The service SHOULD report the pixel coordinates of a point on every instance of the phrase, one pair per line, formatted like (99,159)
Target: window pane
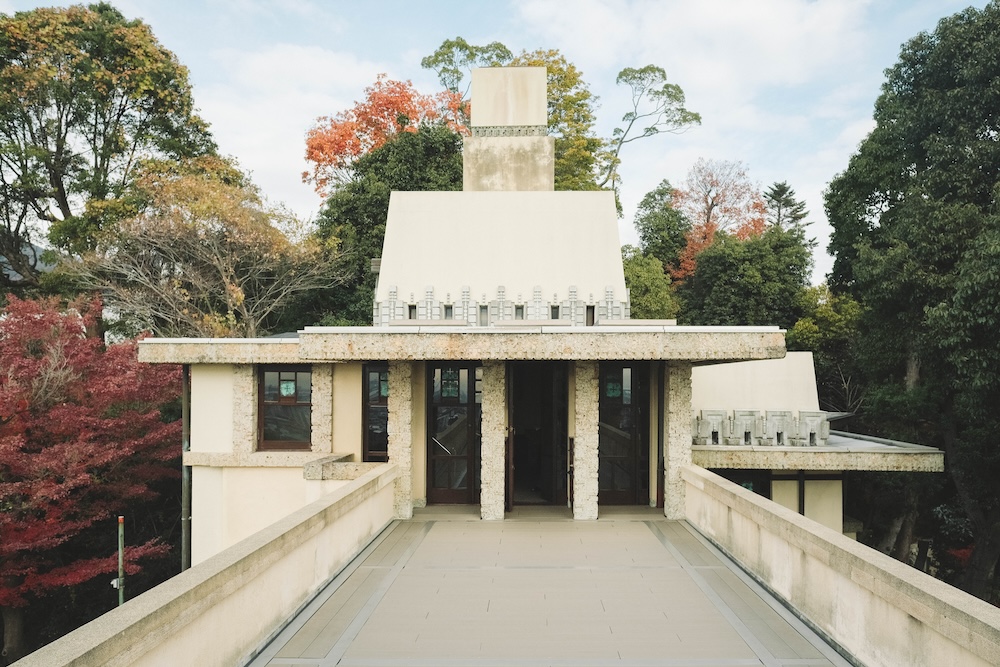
(373,386)
(463,386)
(288,423)
(451,431)
(303,382)
(627,386)
(384,384)
(378,434)
(437,385)
(270,386)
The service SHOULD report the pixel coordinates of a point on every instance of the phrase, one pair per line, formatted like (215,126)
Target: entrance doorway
(538,436)
(454,432)
(623,445)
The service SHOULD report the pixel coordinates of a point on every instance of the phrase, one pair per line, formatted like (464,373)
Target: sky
(787,87)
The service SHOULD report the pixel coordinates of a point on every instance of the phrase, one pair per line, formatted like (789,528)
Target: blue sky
(785,86)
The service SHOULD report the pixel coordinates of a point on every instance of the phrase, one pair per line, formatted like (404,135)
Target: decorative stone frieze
(510,131)
(585,445)
(399,429)
(677,450)
(494,430)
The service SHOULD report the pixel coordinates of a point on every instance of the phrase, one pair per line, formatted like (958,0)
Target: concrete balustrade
(232,603)
(878,611)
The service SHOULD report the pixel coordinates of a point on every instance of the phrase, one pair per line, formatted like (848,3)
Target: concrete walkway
(447,589)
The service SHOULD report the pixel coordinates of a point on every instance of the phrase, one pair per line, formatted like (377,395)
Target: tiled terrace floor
(446,589)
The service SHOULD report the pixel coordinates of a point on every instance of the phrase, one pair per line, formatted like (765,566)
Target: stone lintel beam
(557,344)
(399,343)
(816,458)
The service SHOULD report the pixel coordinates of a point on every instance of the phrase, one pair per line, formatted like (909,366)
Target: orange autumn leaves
(389,108)
(717,196)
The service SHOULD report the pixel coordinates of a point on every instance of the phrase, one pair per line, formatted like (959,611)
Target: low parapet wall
(878,611)
(222,610)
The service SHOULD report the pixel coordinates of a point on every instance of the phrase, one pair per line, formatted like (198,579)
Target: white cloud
(267,101)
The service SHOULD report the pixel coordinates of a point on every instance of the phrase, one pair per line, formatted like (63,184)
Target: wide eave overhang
(419,343)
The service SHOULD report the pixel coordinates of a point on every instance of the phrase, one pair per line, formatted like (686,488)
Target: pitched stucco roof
(517,240)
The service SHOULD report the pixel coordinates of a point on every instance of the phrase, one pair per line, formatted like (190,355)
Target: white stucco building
(503,369)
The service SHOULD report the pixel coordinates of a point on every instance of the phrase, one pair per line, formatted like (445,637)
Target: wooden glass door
(454,432)
(623,445)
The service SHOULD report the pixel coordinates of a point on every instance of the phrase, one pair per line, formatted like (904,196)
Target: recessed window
(484,316)
(554,312)
(285,414)
(411,312)
(518,312)
(376,412)
(590,316)
(449,312)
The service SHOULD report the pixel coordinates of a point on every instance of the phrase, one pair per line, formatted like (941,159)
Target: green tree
(757,281)
(916,236)
(456,57)
(85,97)
(783,209)
(648,286)
(829,329)
(353,217)
(662,228)
(206,257)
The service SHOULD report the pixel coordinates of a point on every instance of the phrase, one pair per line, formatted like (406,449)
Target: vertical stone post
(322,408)
(677,453)
(400,435)
(494,430)
(585,452)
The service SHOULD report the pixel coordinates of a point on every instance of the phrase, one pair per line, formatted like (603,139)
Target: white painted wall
(772,384)
(212,408)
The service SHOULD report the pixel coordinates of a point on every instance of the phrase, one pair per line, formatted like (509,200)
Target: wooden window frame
(282,445)
(366,454)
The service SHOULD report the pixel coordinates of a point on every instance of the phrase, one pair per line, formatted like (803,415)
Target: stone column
(677,451)
(585,455)
(494,450)
(322,408)
(400,435)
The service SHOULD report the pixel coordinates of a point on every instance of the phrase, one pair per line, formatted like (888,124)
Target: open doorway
(537,444)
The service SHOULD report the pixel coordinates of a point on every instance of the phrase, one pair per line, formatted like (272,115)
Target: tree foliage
(916,238)
(717,195)
(662,228)
(657,106)
(783,208)
(649,287)
(389,109)
(205,257)
(354,216)
(85,97)
(81,440)
(752,281)
(456,57)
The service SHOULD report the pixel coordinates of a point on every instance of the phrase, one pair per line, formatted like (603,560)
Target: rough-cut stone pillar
(322,408)
(494,431)
(585,456)
(400,435)
(677,452)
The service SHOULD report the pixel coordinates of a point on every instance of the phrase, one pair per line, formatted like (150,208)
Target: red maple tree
(717,196)
(389,107)
(81,438)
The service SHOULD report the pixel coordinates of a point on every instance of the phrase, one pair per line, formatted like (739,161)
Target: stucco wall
(212,408)
(348,421)
(880,611)
(771,384)
(824,500)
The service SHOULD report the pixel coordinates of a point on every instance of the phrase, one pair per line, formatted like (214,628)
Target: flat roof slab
(628,589)
(509,343)
(843,451)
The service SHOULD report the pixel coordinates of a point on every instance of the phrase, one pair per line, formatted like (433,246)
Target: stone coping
(966,621)
(272,459)
(557,343)
(843,451)
(337,467)
(126,634)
